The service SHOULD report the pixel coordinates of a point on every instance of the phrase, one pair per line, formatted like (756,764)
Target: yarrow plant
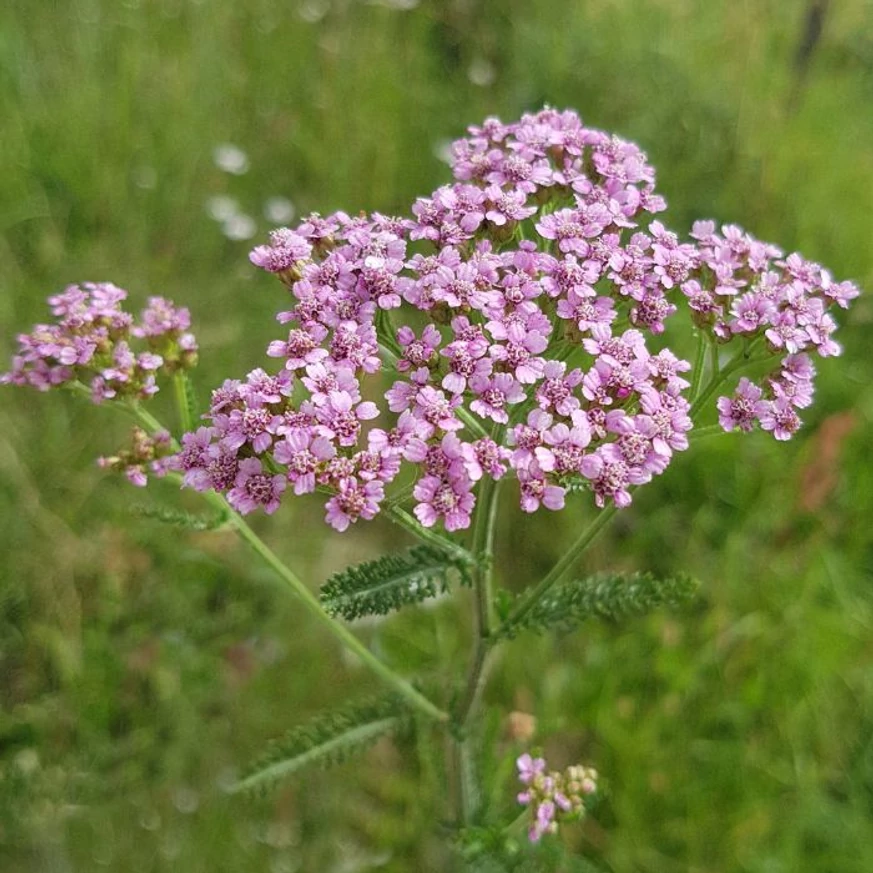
(511,327)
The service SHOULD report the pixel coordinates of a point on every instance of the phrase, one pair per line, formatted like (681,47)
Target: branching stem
(180,389)
(483,548)
(527,602)
(339,631)
(699,363)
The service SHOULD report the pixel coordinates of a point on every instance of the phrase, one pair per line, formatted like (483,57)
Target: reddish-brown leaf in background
(819,477)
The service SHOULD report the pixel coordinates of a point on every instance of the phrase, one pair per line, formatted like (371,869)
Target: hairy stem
(339,631)
(466,781)
(408,522)
(149,422)
(528,601)
(180,390)
(741,359)
(483,549)
(699,363)
(708,430)
(713,359)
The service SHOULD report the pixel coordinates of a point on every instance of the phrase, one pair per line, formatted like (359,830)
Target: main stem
(463,764)
(483,543)
(483,548)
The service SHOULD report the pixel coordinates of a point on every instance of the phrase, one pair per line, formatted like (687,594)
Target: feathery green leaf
(178,518)
(392,581)
(327,740)
(610,596)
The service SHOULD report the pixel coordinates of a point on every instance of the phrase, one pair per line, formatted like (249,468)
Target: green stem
(713,359)
(339,631)
(409,523)
(699,361)
(528,601)
(148,421)
(180,390)
(487,555)
(708,430)
(742,359)
(309,600)
(483,549)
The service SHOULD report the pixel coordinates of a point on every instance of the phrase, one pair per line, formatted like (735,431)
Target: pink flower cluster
(510,353)
(553,796)
(743,288)
(93,341)
(525,292)
(507,326)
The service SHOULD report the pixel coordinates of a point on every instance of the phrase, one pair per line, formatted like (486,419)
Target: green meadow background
(142,667)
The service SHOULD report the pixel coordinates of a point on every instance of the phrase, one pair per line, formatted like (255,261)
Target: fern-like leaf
(325,741)
(392,581)
(610,596)
(178,518)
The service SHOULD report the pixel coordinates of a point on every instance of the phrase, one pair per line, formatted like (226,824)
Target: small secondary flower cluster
(510,354)
(146,454)
(553,797)
(744,288)
(93,342)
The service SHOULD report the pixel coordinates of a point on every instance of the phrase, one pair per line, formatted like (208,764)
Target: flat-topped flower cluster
(507,326)
(506,353)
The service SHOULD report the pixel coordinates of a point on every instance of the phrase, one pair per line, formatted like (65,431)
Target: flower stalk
(484,531)
(346,638)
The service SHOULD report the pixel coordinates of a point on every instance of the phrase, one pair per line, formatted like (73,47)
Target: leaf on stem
(610,596)
(178,518)
(327,740)
(391,582)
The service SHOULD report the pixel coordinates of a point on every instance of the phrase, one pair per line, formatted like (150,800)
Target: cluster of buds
(553,797)
(94,342)
(147,454)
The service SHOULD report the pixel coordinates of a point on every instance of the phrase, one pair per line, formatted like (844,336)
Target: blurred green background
(141,668)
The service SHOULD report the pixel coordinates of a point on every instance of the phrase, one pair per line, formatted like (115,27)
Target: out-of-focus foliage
(143,666)
(326,741)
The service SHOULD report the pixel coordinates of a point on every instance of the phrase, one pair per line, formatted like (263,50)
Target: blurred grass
(140,668)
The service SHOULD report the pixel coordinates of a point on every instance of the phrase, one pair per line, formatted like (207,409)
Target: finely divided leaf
(177,518)
(388,583)
(327,740)
(611,596)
